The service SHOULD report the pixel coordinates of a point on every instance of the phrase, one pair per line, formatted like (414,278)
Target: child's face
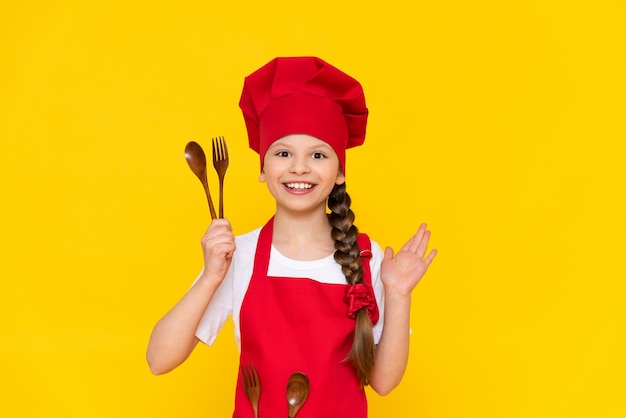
(301,171)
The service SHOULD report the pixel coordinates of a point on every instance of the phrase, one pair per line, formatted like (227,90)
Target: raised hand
(218,247)
(401,272)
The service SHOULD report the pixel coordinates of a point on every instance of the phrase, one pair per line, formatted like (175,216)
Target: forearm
(392,351)
(173,337)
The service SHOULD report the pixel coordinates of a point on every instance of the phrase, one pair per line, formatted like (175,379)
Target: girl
(307,292)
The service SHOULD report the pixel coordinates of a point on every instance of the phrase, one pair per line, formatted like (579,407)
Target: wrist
(397,296)
(209,281)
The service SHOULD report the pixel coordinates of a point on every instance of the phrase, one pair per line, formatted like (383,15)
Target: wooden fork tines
(252,386)
(220,162)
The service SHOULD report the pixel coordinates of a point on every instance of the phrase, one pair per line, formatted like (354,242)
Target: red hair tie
(359,296)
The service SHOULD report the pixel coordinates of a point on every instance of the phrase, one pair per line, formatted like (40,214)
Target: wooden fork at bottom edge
(252,386)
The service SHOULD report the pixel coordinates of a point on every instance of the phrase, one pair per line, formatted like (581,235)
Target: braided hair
(347,254)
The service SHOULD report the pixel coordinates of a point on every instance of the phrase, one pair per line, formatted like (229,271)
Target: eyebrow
(321,146)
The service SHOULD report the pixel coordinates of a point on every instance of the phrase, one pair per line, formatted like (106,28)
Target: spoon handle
(208,198)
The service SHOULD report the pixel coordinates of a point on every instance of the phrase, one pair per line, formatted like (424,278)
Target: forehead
(300,141)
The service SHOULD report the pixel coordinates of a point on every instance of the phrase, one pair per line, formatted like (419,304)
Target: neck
(303,236)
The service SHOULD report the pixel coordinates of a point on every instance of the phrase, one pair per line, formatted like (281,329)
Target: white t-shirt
(229,296)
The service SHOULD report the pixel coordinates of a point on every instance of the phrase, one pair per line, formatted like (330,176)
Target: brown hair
(347,253)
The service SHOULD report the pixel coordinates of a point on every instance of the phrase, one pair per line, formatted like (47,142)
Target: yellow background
(500,123)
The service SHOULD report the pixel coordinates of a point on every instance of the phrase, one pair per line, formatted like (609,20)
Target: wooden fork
(251,385)
(220,162)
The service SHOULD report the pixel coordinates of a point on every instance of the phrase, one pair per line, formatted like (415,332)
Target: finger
(222,222)
(407,245)
(423,245)
(219,240)
(219,252)
(219,223)
(218,227)
(414,242)
(429,259)
(214,239)
(388,253)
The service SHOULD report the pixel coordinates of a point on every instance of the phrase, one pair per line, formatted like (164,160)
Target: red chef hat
(304,95)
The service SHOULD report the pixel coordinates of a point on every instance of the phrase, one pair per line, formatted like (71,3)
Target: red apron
(293,324)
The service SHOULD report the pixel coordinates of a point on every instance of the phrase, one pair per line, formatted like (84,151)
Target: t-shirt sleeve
(229,295)
(218,311)
(379,290)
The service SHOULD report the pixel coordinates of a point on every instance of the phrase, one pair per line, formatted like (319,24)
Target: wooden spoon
(297,392)
(194,154)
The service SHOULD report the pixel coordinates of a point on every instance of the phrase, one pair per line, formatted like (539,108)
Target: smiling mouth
(299,186)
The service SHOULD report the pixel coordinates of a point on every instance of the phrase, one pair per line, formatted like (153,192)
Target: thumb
(388,253)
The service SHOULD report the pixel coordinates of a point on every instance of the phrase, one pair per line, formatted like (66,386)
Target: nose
(300,165)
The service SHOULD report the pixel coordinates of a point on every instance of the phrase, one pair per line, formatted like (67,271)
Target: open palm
(401,272)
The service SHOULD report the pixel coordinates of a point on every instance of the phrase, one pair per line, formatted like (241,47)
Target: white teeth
(299,186)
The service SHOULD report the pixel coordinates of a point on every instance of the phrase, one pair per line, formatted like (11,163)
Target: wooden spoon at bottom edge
(297,392)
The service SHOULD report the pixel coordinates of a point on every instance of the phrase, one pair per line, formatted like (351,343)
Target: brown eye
(318,156)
